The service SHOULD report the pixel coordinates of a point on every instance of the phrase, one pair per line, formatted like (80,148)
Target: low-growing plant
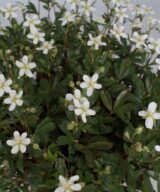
(80,97)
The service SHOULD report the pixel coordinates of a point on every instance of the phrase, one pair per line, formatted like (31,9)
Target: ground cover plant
(80,97)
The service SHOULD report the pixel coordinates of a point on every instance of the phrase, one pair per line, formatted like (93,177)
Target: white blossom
(145,10)
(121,14)
(36,36)
(19,142)
(154,44)
(68,185)
(87,8)
(25,67)
(9,11)
(46,46)
(139,39)
(70,98)
(4,85)
(150,115)
(67,18)
(90,83)
(82,108)
(14,99)
(96,41)
(118,32)
(74,4)
(31,20)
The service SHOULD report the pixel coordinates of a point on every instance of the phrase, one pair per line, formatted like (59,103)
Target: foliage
(113,151)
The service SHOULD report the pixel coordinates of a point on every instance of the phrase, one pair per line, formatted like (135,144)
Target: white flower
(87,8)
(139,39)
(146,10)
(96,41)
(68,185)
(35,35)
(9,11)
(73,4)
(90,83)
(154,45)
(157,148)
(4,85)
(70,98)
(25,67)
(19,142)
(46,46)
(31,20)
(150,115)
(121,14)
(67,18)
(82,108)
(118,32)
(14,99)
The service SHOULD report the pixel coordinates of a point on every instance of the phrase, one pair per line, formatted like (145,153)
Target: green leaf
(44,128)
(105,145)
(106,99)
(65,140)
(121,99)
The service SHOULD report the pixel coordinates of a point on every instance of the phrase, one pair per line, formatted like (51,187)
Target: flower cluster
(80,103)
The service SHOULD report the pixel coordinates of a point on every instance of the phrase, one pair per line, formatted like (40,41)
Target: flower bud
(71,84)
(139,130)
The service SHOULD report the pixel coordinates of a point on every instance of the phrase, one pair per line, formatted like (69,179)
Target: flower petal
(59,189)
(156,115)
(24,135)
(15,149)
(83,115)
(26,141)
(77,93)
(62,180)
(32,65)
(142,113)
(91,112)
(76,187)
(86,78)
(149,123)
(152,107)
(74,178)
(12,107)
(25,59)
(95,77)
(97,86)
(78,111)
(84,85)
(89,91)
(22,148)
(10,142)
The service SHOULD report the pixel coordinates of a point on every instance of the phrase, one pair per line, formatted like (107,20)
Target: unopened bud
(139,130)
(71,84)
